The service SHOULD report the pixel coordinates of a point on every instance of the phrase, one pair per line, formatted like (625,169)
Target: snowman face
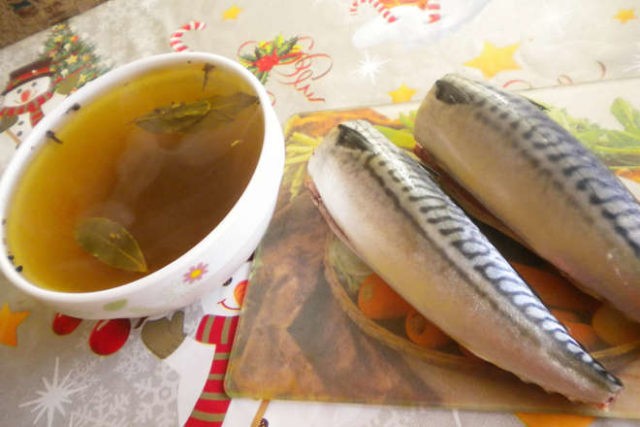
(27,92)
(227,299)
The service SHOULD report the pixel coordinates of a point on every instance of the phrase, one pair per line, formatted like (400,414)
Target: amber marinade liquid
(168,190)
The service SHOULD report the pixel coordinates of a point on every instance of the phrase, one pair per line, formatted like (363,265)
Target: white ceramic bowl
(218,255)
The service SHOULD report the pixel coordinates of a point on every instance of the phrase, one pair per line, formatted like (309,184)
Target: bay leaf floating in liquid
(175,117)
(180,117)
(111,243)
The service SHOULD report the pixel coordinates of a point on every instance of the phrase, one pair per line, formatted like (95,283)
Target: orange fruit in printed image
(581,331)
(423,332)
(554,420)
(555,290)
(584,334)
(632,173)
(613,327)
(564,315)
(378,301)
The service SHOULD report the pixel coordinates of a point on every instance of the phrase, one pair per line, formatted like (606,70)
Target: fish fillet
(547,188)
(388,209)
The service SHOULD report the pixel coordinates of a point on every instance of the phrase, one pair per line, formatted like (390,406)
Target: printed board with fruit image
(318,324)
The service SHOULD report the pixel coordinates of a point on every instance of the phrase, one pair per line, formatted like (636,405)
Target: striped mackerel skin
(540,181)
(390,211)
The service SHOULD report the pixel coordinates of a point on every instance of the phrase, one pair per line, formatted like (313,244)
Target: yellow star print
(625,15)
(9,322)
(402,94)
(72,59)
(493,59)
(231,13)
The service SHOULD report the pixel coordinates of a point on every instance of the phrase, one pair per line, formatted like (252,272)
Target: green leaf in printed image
(628,116)
(617,148)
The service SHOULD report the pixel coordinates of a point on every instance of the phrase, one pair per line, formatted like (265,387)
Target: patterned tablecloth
(310,55)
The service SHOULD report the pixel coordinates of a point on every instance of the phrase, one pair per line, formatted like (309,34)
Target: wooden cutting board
(297,340)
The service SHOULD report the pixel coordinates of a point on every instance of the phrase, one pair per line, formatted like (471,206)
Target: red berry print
(108,336)
(64,325)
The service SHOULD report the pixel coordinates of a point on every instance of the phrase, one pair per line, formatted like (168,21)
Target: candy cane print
(434,11)
(176,38)
(379,7)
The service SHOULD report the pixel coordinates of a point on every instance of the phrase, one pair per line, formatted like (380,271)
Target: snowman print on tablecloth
(201,395)
(26,98)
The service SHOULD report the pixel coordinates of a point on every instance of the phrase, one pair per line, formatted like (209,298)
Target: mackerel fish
(545,186)
(384,205)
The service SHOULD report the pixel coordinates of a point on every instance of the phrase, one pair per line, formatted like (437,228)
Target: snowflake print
(195,273)
(369,67)
(54,397)
(84,370)
(135,361)
(155,396)
(102,408)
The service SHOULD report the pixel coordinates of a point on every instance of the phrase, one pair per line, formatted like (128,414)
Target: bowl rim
(30,147)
